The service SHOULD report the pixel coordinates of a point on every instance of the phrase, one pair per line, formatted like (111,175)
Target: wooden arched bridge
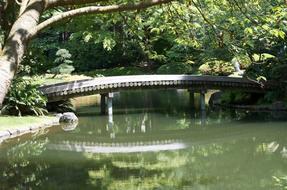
(101,85)
(106,85)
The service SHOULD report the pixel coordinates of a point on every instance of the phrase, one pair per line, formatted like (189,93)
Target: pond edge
(12,133)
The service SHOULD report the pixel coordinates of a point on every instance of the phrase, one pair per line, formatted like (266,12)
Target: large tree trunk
(6,74)
(16,44)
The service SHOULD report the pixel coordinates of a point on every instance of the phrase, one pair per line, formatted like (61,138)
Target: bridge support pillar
(202,106)
(103,104)
(107,104)
(202,100)
(110,107)
(191,99)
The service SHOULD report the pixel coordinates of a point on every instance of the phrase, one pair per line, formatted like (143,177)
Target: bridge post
(110,106)
(202,106)
(103,104)
(202,99)
(191,98)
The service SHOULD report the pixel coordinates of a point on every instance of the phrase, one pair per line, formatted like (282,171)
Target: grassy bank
(11,122)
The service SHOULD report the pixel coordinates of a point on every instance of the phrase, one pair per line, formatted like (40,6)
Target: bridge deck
(101,85)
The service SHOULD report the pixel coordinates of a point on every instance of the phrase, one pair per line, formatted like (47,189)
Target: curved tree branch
(56,3)
(95,10)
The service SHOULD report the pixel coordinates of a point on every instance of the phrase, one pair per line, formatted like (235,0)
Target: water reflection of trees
(217,165)
(18,169)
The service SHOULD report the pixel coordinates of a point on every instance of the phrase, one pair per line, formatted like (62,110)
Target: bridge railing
(117,83)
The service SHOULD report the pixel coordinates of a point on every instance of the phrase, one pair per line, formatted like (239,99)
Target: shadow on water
(157,143)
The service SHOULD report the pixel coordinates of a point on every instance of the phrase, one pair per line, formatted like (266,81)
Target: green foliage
(62,69)
(279,72)
(216,67)
(93,56)
(193,32)
(261,69)
(63,61)
(180,54)
(280,182)
(117,71)
(269,97)
(269,69)
(244,61)
(235,97)
(63,56)
(24,99)
(175,68)
(61,106)
(216,53)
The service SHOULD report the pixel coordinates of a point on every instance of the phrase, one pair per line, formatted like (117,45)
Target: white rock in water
(69,117)
(69,126)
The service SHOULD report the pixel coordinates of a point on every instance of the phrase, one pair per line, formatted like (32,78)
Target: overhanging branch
(95,10)
(56,3)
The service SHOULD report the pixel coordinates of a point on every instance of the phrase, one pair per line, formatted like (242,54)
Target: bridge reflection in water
(142,139)
(118,148)
(107,106)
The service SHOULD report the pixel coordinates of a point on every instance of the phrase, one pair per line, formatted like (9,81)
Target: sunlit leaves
(87,36)
(109,43)
(248,31)
(281,181)
(277,33)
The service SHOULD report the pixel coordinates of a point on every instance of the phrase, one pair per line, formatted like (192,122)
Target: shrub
(117,71)
(61,106)
(179,54)
(216,54)
(235,97)
(62,69)
(216,67)
(63,56)
(24,99)
(175,68)
(261,69)
(63,60)
(279,72)
(244,61)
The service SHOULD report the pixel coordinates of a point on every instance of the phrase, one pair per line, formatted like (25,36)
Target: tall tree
(20,28)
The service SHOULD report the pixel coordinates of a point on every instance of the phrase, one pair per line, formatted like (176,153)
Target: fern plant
(24,99)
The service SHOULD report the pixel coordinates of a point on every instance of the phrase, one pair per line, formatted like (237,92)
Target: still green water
(154,142)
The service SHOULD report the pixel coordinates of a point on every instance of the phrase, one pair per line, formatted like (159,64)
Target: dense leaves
(197,31)
(193,36)
(63,60)
(24,99)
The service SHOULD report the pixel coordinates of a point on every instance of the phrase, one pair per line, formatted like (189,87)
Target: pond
(154,141)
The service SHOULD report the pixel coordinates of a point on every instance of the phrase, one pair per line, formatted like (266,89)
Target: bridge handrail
(141,78)
(106,84)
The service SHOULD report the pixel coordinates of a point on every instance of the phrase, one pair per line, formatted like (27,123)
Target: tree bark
(56,3)
(6,75)
(16,44)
